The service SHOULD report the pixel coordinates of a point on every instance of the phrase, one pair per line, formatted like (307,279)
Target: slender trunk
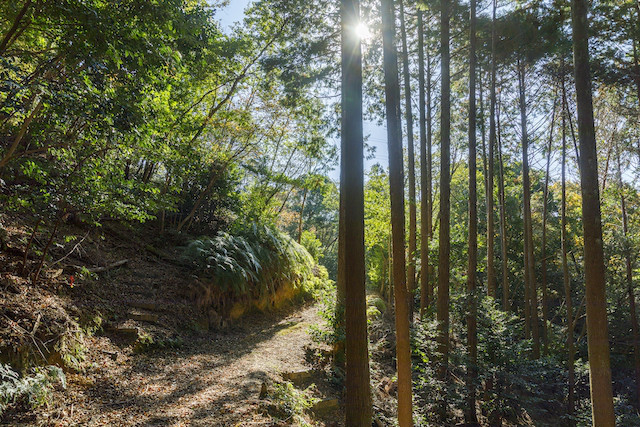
(358,397)
(14,27)
(506,306)
(8,155)
(396,189)
(530,260)
(597,331)
(545,341)
(445,194)
(629,276)
(300,220)
(430,290)
(424,178)
(485,172)
(411,267)
(491,269)
(565,268)
(471,416)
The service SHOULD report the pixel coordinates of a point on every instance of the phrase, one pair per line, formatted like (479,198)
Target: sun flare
(362,30)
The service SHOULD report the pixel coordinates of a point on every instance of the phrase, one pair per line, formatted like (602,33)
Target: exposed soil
(214,379)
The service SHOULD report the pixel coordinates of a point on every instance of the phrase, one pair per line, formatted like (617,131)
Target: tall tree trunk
(630,291)
(565,266)
(471,417)
(358,397)
(506,306)
(445,194)
(491,269)
(411,267)
(396,189)
(424,177)
(545,339)
(596,302)
(530,260)
(430,290)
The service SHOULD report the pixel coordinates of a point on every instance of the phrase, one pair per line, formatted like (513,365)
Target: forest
(354,212)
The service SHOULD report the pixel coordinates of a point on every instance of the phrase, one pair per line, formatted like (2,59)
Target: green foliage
(288,403)
(32,390)
(512,383)
(312,244)
(254,261)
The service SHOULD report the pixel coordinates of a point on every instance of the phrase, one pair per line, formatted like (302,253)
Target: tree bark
(396,189)
(424,177)
(596,302)
(506,305)
(565,268)
(491,270)
(471,416)
(358,394)
(545,338)
(445,195)
(411,265)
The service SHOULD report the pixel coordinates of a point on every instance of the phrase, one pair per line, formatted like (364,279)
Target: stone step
(325,406)
(144,317)
(297,377)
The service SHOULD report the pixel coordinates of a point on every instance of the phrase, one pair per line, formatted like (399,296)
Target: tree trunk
(471,416)
(506,305)
(396,189)
(430,290)
(565,267)
(596,302)
(491,269)
(411,265)
(424,177)
(545,339)
(529,259)
(445,194)
(300,220)
(358,395)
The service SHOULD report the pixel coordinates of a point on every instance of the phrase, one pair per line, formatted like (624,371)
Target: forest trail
(212,380)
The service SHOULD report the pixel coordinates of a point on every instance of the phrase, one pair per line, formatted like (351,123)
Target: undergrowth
(253,262)
(32,390)
(288,404)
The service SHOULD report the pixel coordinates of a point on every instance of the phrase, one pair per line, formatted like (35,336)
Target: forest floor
(211,380)
(153,361)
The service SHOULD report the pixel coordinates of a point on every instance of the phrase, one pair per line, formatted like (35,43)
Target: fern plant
(32,390)
(252,262)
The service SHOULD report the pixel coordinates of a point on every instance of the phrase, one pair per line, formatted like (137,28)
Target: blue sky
(234,12)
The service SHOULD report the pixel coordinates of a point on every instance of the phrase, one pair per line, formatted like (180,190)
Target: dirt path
(214,380)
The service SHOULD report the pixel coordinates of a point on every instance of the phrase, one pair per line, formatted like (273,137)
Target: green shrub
(288,403)
(32,390)
(255,261)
